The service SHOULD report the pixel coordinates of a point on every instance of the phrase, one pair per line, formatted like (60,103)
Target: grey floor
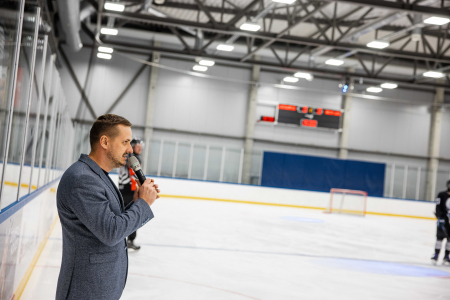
(196,249)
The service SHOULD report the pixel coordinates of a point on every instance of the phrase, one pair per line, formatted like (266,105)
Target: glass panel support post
(30,93)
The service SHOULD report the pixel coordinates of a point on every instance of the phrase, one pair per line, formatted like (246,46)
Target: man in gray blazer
(94,220)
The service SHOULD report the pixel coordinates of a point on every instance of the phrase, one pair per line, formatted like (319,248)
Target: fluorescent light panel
(223,47)
(205,62)
(434,74)
(114,6)
(374,89)
(248,26)
(110,31)
(105,49)
(334,62)
(303,75)
(200,68)
(104,55)
(290,79)
(388,85)
(378,44)
(436,21)
(284,1)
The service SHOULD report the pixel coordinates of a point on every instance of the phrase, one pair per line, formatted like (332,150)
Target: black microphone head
(134,163)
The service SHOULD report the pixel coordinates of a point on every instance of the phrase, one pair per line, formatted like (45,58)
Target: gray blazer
(95,224)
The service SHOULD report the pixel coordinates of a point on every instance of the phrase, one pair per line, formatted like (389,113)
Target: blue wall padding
(321,174)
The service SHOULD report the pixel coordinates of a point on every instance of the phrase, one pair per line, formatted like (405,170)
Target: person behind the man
(94,220)
(128,184)
(443,227)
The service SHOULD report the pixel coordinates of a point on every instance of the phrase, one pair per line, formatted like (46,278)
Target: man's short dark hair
(106,125)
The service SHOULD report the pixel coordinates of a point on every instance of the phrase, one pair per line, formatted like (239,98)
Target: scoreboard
(305,116)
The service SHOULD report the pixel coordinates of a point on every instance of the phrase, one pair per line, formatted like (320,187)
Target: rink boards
(24,229)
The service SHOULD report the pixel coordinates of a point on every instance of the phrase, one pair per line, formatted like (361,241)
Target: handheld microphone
(136,166)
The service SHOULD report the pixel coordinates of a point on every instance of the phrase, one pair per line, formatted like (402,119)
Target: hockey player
(128,184)
(443,227)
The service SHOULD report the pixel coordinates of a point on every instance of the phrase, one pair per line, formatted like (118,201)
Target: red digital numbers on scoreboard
(268,119)
(309,123)
(304,109)
(329,112)
(287,107)
(319,111)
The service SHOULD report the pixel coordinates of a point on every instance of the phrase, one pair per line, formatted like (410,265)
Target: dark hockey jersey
(442,205)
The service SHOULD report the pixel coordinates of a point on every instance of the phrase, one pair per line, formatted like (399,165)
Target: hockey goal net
(347,201)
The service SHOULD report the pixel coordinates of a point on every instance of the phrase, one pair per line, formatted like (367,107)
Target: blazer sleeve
(90,205)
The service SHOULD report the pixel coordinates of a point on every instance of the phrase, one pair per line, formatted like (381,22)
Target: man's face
(137,149)
(120,147)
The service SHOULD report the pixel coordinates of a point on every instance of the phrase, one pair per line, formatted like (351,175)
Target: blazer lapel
(96,168)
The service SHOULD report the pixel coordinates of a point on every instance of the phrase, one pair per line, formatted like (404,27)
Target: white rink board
(321,200)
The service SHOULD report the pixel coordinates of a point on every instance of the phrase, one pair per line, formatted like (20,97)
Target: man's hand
(148,191)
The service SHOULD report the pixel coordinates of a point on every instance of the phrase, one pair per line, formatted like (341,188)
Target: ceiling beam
(235,62)
(400,6)
(270,37)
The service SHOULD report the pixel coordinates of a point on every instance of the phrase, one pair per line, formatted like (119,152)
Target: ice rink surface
(195,249)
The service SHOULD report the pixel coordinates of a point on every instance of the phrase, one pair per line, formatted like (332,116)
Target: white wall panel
(445,134)
(197,104)
(108,79)
(389,127)
(79,61)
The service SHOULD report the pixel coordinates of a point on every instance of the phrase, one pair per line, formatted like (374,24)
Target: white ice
(196,249)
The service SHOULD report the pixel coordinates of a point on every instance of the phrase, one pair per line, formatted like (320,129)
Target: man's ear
(104,140)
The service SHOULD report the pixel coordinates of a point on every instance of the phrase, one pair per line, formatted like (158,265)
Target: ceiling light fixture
(290,79)
(388,85)
(334,62)
(104,55)
(307,76)
(436,21)
(205,62)
(374,89)
(200,68)
(223,47)
(105,49)
(378,44)
(114,6)
(110,31)
(249,26)
(434,74)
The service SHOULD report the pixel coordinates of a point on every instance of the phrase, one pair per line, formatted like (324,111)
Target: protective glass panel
(412,183)
(9,26)
(198,162)
(168,156)
(232,165)
(255,177)
(441,181)
(214,163)
(398,181)
(423,184)
(183,154)
(19,115)
(153,157)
